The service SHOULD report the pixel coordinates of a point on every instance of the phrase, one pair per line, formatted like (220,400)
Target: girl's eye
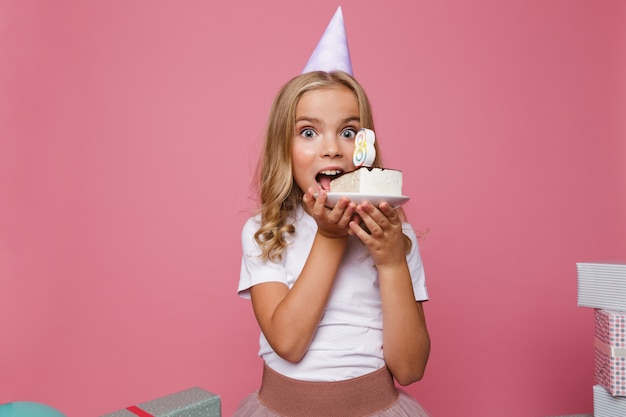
(349,133)
(307,133)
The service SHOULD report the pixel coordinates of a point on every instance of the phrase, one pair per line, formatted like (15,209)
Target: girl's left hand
(385,240)
(331,222)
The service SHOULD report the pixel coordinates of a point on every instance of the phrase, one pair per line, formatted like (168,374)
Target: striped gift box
(602,285)
(606,405)
(192,402)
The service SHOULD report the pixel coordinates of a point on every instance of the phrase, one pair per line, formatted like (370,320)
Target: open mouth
(324,178)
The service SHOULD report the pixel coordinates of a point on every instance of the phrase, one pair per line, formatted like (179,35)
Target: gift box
(602,285)
(192,402)
(610,351)
(606,405)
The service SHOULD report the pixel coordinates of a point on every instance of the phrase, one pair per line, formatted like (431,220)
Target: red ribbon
(138,411)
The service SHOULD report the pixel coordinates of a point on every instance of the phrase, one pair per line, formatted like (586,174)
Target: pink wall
(129,131)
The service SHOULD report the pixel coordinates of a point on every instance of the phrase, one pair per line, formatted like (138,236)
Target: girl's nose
(331,146)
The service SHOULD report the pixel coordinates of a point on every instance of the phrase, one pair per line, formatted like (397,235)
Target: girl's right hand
(331,223)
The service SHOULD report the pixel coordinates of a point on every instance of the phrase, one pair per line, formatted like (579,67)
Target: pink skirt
(370,395)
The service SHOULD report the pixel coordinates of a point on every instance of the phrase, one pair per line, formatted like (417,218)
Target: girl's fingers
(358,231)
(342,212)
(319,207)
(367,212)
(347,214)
(338,216)
(308,199)
(383,216)
(389,212)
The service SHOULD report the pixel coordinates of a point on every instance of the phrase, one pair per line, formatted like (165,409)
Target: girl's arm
(406,343)
(289,317)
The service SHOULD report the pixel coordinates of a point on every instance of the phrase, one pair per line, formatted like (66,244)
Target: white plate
(376,199)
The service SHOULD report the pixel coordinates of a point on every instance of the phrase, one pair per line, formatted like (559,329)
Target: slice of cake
(365,180)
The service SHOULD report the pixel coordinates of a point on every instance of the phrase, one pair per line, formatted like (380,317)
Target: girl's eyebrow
(352,119)
(318,121)
(307,119)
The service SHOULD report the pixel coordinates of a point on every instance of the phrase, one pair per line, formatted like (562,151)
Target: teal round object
(28,409)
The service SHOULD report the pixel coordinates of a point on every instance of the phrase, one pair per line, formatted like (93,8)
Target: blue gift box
(192,402)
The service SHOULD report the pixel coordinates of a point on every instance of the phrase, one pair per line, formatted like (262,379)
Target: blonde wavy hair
(278,193)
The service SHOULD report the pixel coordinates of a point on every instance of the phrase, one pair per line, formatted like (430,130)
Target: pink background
(128,135)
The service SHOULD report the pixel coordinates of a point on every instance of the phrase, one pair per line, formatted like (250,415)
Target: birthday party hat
(331,52)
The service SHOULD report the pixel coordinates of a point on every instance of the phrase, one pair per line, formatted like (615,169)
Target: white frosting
(375,181)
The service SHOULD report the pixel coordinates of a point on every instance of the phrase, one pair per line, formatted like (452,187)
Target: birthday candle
(364,151)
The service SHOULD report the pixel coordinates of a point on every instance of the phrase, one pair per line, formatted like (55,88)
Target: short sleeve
(255,270)
(416,267)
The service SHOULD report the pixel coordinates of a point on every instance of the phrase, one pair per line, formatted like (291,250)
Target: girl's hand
(331,223)
(382,234)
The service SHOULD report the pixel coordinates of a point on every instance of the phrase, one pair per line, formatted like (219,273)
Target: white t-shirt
(348,341)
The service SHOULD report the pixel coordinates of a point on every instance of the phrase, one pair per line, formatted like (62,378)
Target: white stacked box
(602,286)
(606,405)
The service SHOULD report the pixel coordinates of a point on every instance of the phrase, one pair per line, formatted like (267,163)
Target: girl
(334,290)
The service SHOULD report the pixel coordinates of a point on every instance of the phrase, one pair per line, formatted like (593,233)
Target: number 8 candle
(364,151)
